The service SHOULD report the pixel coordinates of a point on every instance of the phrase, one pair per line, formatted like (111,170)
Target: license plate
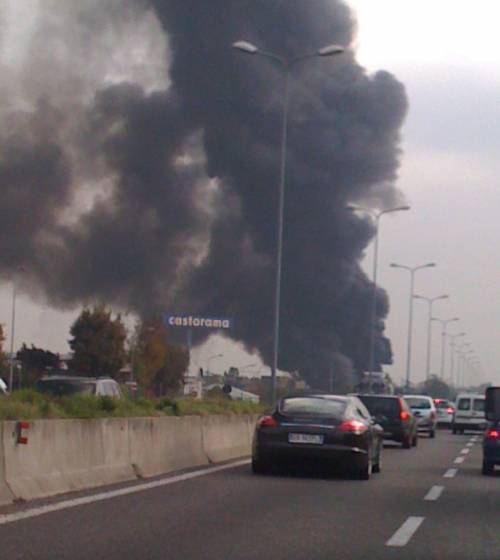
(305,438)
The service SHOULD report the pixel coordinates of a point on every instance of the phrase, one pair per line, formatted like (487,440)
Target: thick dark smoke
(184,178)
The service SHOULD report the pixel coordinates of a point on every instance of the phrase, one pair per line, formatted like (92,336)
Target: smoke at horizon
(154,186)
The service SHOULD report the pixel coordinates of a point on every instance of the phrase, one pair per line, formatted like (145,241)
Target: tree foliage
(98,343)
(38,360)
(437,388)
(158,364)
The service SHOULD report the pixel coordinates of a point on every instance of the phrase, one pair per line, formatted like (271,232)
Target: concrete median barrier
(227,437)
(66,455)
(163,445)
(6,496)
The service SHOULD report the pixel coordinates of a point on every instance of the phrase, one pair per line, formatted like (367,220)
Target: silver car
(424,410)
(3,387)
(444,411)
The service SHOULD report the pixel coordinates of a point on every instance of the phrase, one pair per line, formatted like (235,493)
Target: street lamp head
(330,50)
(396,209)
(245,47)
(430,265)
(444,296)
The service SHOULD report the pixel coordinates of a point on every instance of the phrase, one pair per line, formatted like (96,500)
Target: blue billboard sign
(197,322)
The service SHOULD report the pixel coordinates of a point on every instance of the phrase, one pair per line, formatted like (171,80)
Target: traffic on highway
(295,509)
(249,268)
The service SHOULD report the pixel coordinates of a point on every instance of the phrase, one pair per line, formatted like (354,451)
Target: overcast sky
(447,54)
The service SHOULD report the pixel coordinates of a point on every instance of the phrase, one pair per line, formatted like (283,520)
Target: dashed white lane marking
(459,460)
(434,493)
(465,451)
(450,473)
(66,504)
(470,444)
(403,535)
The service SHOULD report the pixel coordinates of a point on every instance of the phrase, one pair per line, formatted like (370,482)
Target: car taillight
(267,422)
(403,415)
(352,427)
(492,434)
(433,414)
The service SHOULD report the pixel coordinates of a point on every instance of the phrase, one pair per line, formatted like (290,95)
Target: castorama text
(197,322)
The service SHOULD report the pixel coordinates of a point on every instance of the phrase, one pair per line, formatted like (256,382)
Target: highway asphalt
(411,510)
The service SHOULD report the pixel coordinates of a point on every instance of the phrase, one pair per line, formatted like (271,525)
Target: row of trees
(100,347)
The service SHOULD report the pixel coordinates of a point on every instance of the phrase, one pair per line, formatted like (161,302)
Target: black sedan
(322,428)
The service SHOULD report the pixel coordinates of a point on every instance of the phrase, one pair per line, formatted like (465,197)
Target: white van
(469,413)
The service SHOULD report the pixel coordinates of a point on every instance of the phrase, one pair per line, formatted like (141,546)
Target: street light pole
(430,303)
(286,66)
(453,337)
(466,364)
(444,326)
(12,334)
(376,217)
(412,271)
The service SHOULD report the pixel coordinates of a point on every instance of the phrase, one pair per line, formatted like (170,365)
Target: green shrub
(29,404)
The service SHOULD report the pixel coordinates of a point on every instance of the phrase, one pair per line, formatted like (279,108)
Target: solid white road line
(450,473)
(434,493)
(66,504)
(402,536)
(459,460)
(465,451)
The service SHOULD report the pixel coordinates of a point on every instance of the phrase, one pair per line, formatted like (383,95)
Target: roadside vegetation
(29,405)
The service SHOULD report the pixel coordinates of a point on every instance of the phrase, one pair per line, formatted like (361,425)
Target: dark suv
(491,448)
(395,417)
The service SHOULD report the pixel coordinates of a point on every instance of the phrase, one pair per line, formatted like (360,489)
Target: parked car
(491,439)
(395,417)
(3,388)
(444,412)
(469,413)
(65,385)
(424,410)
(320,428)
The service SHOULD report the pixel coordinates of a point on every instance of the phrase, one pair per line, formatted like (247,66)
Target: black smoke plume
(184,178)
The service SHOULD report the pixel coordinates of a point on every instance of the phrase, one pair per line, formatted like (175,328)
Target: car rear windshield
(418,402)
(381,406)
(478,405)
(64,387)
(464,404)
(443,404)
(313,406)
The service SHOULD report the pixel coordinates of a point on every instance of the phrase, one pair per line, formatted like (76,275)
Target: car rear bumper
(465,424)
(396,434)
(491,453)
(426,425)
(284,451)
